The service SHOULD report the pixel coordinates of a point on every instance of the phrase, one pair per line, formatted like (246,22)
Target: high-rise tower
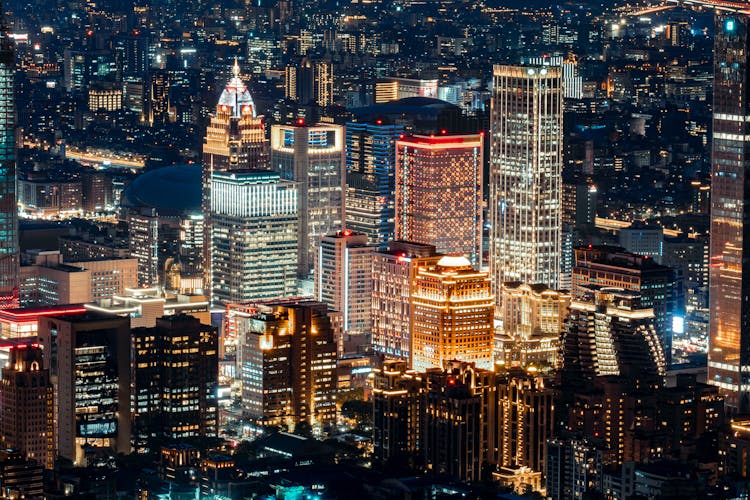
(525,202)
(370,179)
(439,193)
(9,252)
(313,157)
(729,270)
(235,140)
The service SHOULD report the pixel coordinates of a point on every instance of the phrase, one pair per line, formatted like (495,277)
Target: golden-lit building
(309,81)
(393,273)
(452,310)
(235,140)
(26,395)
(439,193)
(287,364)
(533,319)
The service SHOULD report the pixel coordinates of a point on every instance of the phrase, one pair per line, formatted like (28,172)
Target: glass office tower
(9,252)
(729,288)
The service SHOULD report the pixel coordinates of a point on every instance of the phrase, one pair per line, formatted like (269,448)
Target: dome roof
(236,96)
(454,261)
(176,188)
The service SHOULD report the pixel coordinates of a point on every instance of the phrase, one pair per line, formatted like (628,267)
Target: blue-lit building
(9,252)
(370,181)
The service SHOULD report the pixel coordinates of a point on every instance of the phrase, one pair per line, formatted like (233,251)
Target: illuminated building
(158,98)
(573,467)
(145,305)
(452,315)
(235,140)
(26,396)
(313,156)
(657,286)
(310,82)
(390,89)
(9,250)
(525,176)
(343,279)
(105,98)
(643,239)
(370,179)
(21,477)
(728,359)
(24,322)
(611,333)
(525,419)
(439,193)
(48,281)
(253,236)
(42,197)
(175,372)
(459,415)
(288,364)
(396,397)
(90,366)
(533,319)
(393,274)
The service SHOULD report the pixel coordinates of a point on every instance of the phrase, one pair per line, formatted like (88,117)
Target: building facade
(603,266)
(312,156)
(175,377)
(26,393)
(343,279)
(452,309)
(253,236)
(729,323)
(287,364)
(393,274)
(370,179)
(525,199)
(439,193)
(9,249)
(90,365)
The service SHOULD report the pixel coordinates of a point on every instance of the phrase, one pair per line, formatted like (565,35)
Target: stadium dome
(176,188)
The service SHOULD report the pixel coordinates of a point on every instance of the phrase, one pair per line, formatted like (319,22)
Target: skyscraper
(439,193)
(451,315)
(310,82)
(287,364)
(26,396)
(729,286)
(525,200)
(343,279)
(253,236)
(90,366)
(175,376)
(9,251)
(370,179)
(313,156)
(235,140)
